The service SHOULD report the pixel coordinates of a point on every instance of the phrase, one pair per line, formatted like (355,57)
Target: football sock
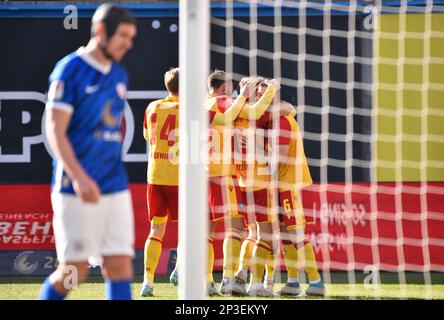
(153,250)
(118,290)
(49,293)
(270,266)
(245,254)
(210,260)
(231,250)
(311,267)
(291,260)
(259,258)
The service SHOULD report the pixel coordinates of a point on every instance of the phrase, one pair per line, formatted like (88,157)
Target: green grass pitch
(27,288)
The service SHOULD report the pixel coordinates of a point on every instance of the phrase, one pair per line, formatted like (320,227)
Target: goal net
(366,80)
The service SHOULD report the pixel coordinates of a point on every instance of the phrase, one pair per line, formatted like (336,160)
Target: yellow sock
(245,254)
(311,267)
(210,260)
(259,258)
(291,260)
(153,250)
(231,250)
(271,266)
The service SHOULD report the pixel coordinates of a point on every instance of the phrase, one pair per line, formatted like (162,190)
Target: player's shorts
(162,201)
(90,231)
(224,198)
(291,211)
(257,205)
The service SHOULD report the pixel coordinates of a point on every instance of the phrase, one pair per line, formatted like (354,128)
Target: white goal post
(194,57)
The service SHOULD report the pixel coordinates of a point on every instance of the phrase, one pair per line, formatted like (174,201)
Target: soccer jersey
(250,153)
(160,126)
(95,94)
(220,152)
(294,172)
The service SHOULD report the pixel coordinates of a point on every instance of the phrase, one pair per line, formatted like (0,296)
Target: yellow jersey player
(160,124)
(255,180)
(294,174)
(224,192)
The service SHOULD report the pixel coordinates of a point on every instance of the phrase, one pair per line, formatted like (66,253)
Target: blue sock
(118,290)
(48,292)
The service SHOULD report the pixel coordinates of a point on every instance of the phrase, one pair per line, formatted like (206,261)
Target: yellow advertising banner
(409,97)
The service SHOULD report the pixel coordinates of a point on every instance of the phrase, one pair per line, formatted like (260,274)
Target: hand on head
(249,88)
(273,82)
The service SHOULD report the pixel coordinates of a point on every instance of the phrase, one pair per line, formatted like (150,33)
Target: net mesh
(366,81)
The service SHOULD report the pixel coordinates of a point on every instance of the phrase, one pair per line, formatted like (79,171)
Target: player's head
(114,29)
(243,81)
(219,82)
(254,94)
(261,88)
(171,81)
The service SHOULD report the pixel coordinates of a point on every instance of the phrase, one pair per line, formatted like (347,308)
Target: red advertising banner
(25,217)
(385,225)
(388,225)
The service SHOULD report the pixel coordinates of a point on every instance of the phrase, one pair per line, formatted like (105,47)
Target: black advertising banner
(35,44)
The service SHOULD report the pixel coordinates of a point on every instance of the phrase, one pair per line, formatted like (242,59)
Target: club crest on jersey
(108,118)
(121,90)
(56,90)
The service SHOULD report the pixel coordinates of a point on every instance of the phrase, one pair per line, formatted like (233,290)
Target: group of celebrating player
(248,190)
(256,169)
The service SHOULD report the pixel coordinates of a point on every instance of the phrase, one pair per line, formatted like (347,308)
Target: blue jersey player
(93,215)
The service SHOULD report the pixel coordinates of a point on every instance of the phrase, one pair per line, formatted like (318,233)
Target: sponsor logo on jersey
(92,89)
(108,118)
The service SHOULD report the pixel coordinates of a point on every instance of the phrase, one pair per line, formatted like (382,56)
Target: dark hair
(217,78)
(171,80)
(111,15)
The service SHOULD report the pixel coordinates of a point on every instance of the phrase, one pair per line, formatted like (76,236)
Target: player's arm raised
(227,118)
(257,110)
(57,122)
(274,109)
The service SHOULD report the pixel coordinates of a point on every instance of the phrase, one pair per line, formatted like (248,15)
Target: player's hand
(250,87)
(274,83)
(86,189)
